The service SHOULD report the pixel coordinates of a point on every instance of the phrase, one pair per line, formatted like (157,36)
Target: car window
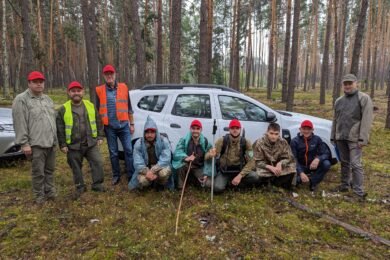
(234,107)
(153,103)
(192,105)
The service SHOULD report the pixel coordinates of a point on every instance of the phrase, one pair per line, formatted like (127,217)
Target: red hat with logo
(196,123)
(75,84)
(235,123)
(307,123)
(35,75)
(109,68)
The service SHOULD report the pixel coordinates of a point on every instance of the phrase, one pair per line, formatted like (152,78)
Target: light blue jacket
(140,154)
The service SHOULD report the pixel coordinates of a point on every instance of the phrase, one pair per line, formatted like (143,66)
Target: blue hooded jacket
(140,154)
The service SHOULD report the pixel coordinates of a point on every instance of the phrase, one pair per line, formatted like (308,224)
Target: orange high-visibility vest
(122,99)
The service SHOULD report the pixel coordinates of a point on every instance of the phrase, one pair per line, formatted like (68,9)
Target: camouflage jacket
(267,153)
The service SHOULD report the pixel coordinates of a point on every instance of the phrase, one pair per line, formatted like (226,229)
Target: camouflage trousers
(162,177)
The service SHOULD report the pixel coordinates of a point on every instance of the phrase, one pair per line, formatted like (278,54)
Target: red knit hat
(307,123)
(75,84)
(35,75)
(108,68)
(196,123)
(235,123)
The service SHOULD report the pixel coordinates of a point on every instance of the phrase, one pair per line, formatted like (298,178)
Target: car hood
(297,118)
(6,116)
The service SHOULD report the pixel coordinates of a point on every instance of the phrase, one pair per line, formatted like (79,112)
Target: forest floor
(251,224)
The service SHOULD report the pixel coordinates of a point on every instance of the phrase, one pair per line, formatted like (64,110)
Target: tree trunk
(271,58)
(286,52)
(203,71)
(387,125)
(28,60)
(126,42)
(90,34)
(336,83)
(232,46)
(175,43)
(359,37)
(294,57)
(6,90)
(325,58)
(236,73)
(159,63)
(139,44)
(249,51)
(315,45)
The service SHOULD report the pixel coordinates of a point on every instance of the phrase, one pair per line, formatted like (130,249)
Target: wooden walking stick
(181,197)
(213,162)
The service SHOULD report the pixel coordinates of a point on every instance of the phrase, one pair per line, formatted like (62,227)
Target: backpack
(243,160)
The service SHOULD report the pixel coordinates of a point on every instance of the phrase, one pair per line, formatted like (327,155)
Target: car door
(185,108)
(253,118)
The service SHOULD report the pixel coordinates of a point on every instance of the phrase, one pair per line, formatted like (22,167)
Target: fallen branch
(353,229)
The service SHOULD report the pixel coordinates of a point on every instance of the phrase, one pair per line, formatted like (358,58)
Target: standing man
(353,116)
(196,148)
(152,160)
(235,160)
(274,160)
(114,106)
(80,132)
(35,128)
(311,156)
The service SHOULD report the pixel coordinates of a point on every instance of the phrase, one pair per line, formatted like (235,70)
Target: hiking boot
(358,197)
(99,189)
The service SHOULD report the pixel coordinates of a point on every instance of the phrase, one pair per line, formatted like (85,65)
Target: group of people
(79,126)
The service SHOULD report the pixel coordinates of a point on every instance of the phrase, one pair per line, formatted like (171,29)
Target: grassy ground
(252,224)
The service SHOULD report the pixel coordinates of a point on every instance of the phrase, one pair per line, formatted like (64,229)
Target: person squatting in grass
(235,163)
(196,148)
(274,161)
(152,160)
(80,132)
(311,156)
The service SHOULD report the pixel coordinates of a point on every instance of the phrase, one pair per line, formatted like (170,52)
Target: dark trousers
(318,175)
(193,177)
(124,136)
(222,180)
(94,158)
(284,181)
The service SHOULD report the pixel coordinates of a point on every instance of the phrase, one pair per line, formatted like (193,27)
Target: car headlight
(6,127)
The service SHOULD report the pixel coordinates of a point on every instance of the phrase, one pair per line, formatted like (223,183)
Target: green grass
(253,224)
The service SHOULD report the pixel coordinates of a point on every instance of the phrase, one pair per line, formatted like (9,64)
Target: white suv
(173,107)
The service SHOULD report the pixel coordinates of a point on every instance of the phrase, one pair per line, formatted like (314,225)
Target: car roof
(183,86)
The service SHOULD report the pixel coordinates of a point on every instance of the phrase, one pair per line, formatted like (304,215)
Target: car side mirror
(271,117)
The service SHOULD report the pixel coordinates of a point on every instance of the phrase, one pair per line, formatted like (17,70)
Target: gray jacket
(353,116)
(34,120)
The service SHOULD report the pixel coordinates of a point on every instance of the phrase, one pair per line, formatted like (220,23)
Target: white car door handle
(175,126)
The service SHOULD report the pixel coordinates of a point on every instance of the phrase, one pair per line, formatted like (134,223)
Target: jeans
(317,175)
(124,136)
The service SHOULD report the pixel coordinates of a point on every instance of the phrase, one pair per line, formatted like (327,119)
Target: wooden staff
(181,198)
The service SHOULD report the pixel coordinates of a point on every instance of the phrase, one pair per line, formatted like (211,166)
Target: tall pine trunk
(175,43)
(286,52)
(90,35)
(6,90)
(271,58)
(359,37)
(28,60)
(159,58)
(139,45)
(294,57)
(325,58)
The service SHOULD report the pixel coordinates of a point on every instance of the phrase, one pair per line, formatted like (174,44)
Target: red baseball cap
(75,84)
(307,123)
(196,123)
(150,129)
(108,68)
(235,123)
(35,75)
